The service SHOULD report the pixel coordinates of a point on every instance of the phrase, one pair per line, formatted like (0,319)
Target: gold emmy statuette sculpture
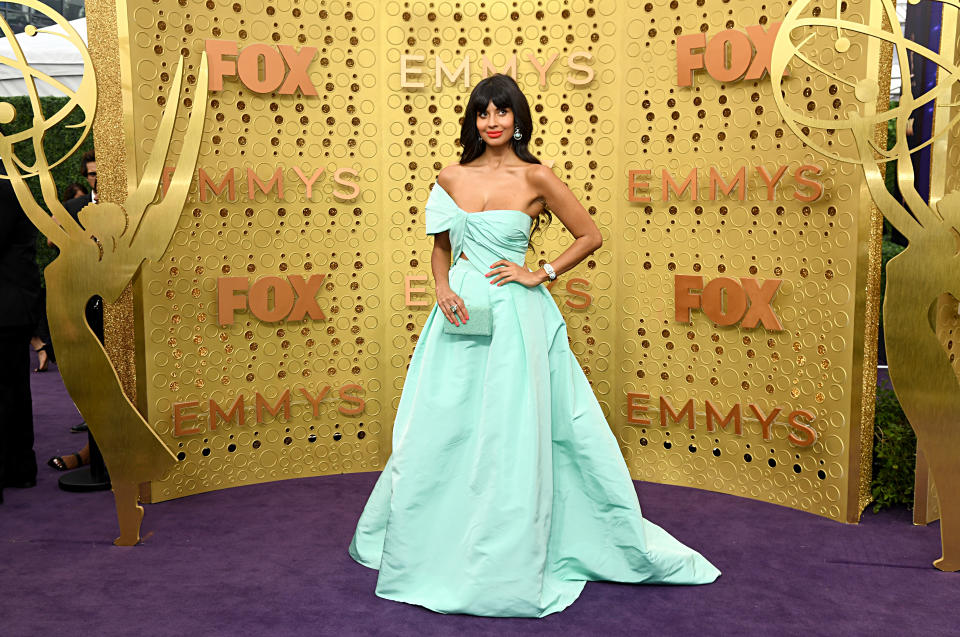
(100,255)
(920,369)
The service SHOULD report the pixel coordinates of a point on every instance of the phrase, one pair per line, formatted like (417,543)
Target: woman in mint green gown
(506,490)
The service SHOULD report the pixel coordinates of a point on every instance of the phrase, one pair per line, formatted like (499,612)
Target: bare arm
(574,217)
(440,260)
(440,265)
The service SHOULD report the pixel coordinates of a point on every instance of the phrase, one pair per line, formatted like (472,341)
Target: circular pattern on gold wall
(630,116)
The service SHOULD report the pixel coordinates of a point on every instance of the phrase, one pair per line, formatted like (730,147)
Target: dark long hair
(71,191)
(503,91)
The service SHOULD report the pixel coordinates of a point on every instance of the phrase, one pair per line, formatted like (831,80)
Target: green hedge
(55,143)
(894,454)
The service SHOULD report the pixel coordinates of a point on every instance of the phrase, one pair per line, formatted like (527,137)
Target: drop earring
(517,135)
(479,139)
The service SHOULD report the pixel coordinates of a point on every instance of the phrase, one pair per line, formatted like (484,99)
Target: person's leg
(40,347)
(18,462)
(71,461)
(41,335)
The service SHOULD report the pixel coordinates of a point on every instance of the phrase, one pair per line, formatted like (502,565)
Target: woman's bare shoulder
(449,175)
(540,175)
(542,179)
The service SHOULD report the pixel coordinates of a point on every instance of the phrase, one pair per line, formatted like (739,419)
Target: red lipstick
(494,134)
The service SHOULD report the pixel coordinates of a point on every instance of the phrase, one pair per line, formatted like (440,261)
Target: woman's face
(495,125)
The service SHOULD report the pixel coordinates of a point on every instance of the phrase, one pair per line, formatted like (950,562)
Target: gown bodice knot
(485,237)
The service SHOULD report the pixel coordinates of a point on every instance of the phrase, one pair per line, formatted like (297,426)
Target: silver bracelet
(551,273)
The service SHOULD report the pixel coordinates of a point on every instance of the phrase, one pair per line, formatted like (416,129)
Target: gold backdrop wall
(608,105)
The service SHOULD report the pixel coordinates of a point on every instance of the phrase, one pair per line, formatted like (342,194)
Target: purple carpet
(272,560)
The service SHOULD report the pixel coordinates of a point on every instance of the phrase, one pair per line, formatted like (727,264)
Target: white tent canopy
(46,53)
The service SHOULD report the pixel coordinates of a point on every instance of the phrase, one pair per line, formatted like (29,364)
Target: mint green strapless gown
(506,490)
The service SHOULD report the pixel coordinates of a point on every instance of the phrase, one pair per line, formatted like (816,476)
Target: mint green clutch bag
(479,324)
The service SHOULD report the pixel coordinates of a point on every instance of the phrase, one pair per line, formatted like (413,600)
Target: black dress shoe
(79,429)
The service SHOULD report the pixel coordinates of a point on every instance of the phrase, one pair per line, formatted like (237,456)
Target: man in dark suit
(19,293)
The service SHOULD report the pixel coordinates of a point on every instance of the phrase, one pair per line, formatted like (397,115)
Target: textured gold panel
(816,248)
(118,318)
(190,359)
(631,115)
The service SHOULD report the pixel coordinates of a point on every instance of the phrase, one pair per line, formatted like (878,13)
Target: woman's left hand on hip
(504,271)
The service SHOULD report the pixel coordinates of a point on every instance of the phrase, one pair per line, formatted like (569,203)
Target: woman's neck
(498,156)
